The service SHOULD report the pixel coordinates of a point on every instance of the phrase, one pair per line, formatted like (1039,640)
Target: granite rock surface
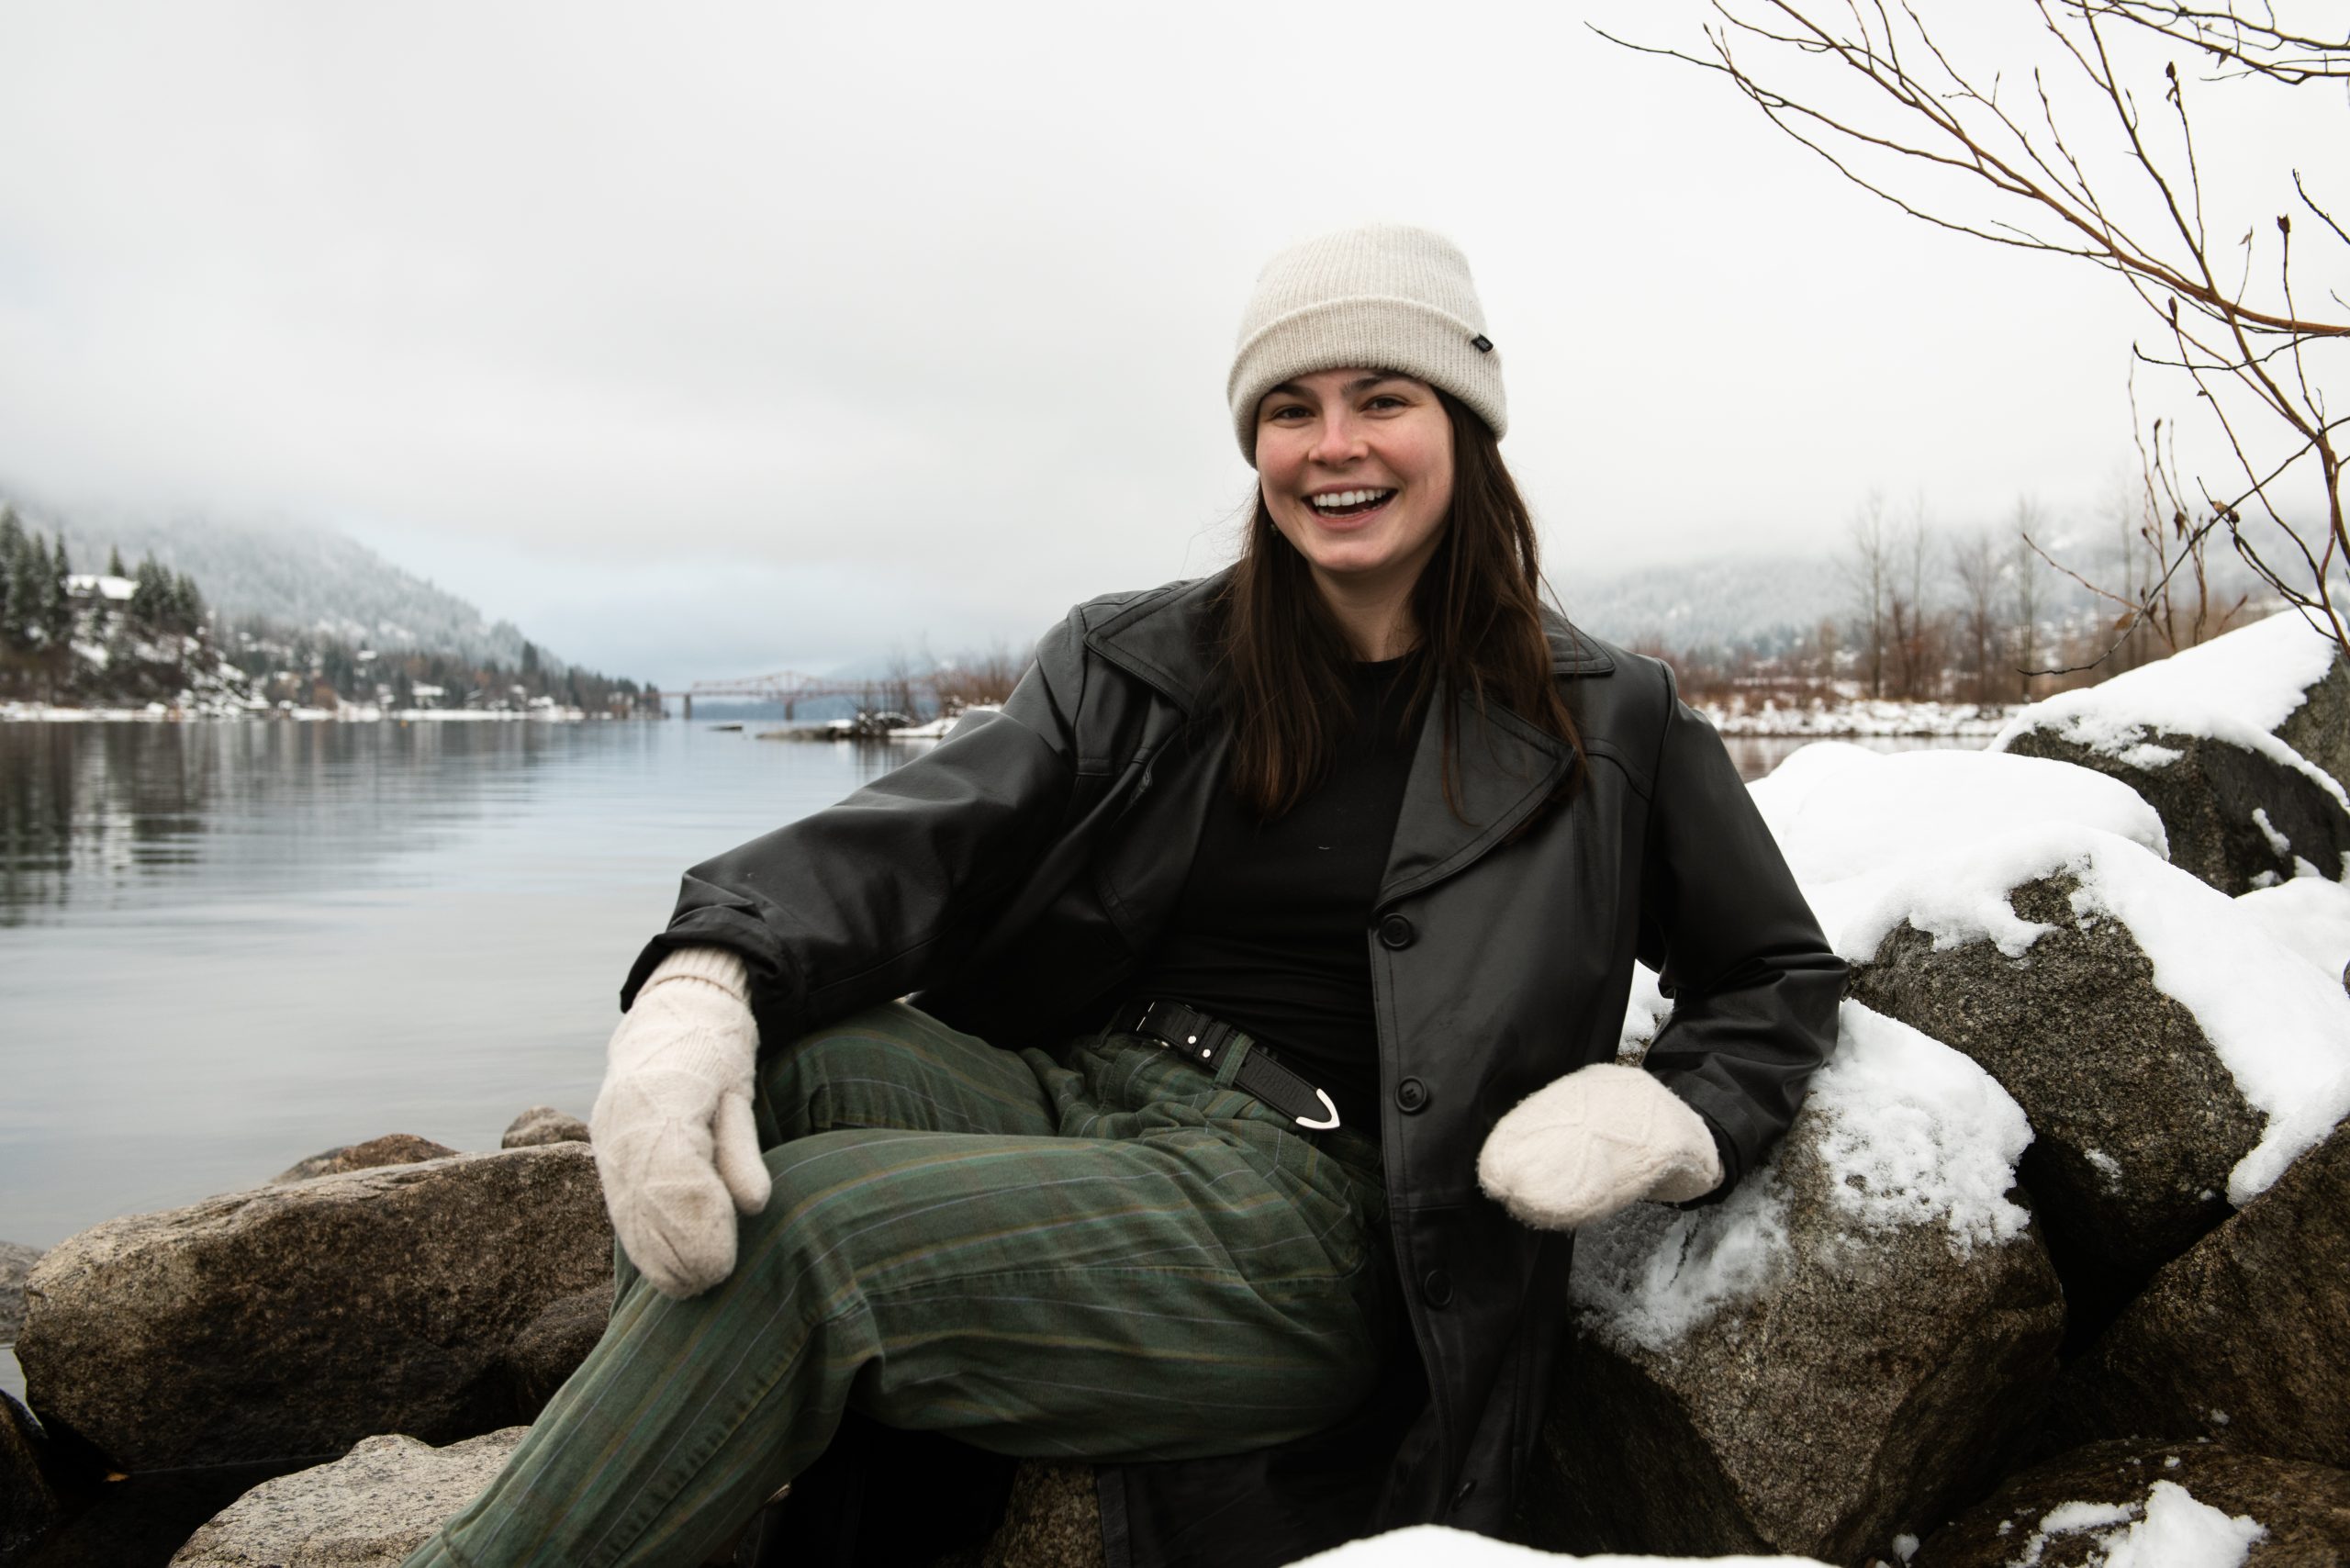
(292,1321)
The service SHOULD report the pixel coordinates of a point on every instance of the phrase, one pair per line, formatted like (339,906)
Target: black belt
(1203,1041)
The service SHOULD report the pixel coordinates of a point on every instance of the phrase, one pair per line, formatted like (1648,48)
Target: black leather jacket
(1011,875)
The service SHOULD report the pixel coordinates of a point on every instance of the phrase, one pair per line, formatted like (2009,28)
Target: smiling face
(1355,467)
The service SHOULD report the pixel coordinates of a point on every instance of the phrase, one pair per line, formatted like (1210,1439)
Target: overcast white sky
(702,339)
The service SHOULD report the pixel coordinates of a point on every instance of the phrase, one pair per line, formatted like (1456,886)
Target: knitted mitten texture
(1599,1139)
(676,1142)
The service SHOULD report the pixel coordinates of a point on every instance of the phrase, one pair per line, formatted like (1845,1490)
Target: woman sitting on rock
(1269,950)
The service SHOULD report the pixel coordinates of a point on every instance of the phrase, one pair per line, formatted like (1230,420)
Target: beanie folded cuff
(1388,332)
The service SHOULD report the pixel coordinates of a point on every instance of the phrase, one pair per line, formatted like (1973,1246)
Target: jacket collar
(1161,637)
(1506,767)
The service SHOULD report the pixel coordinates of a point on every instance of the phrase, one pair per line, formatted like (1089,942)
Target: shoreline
(157,713)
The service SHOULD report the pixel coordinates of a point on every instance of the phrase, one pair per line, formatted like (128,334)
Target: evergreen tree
(147,594)
(13,606)
(58,624)
(114,563)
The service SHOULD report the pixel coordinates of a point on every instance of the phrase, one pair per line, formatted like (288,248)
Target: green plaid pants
(1107,1255)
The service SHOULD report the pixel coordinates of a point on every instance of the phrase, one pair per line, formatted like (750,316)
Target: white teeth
(1344,499)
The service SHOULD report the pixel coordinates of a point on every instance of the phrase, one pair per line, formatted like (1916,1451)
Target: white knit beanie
(1384,297)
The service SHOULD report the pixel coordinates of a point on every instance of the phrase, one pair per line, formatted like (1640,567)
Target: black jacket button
(1395,932)
(1437,1288)
(1411,1095)
(1468,1489)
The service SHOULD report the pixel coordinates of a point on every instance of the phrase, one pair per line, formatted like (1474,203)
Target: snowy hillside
(312,578)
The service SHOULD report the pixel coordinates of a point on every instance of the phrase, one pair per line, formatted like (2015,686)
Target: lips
(1347,505)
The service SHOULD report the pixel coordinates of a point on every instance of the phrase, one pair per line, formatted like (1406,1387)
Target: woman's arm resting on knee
(676,1142)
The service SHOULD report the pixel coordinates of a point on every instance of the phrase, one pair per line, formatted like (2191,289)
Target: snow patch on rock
(2310,916)
(1437,1546)
(1911,1132)
(2169,1530)
(1647,1275)
(1645,1012)
(1917,1134)
(2237,689)
(2280,1030)
(1839,811)
(1849,819)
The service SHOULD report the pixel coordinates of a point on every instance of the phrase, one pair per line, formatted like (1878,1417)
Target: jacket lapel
(1505,767)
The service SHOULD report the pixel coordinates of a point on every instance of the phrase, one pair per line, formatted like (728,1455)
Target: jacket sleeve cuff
(1726,1153)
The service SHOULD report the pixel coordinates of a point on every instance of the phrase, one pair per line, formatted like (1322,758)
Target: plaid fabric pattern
(1104,1255)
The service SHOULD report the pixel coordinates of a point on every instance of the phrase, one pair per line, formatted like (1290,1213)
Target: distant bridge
(789,688)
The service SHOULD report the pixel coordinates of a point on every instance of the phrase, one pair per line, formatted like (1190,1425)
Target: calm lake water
(224,947)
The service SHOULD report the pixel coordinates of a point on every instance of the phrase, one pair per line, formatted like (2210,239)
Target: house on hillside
(94,586)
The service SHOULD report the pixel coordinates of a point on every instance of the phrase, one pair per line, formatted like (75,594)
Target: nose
(1339,441)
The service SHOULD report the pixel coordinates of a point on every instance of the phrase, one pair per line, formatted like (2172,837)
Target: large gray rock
(1847,1345)
(543,1125)
(2237,818)
(385,1497)
(2239,745)
(2320,728)
(552,1345)
(2245,1338)
(28,1503)
(2136,1120)
(15,1263)
(392,1148)
(296,1320)
(368,1509)
(2066,1513)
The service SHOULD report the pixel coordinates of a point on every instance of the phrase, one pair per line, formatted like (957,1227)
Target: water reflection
(102,814)
(225,947)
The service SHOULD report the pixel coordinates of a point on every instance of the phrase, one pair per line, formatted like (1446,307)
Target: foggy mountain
(310,577)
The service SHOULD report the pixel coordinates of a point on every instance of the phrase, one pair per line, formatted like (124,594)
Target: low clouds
(916,318)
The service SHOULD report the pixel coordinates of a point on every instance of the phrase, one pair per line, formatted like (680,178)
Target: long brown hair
(1283,662)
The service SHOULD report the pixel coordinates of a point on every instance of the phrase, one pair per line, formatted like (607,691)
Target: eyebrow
(1350,388)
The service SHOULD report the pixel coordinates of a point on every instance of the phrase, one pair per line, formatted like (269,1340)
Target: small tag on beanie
(1481,343)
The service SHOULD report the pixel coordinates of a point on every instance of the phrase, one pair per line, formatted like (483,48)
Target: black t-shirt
(1271,931)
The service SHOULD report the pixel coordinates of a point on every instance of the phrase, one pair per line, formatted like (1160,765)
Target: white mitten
(676,1142)
(1599,1139)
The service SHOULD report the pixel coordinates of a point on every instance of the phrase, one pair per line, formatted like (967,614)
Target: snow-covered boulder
(1840,811)
(2203,735)
(392,1148)
(2172,1058)
(1849,819)
(1840,1351)
(300,1318)
(2245,1338)
(368,1509)
(2152,1506)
